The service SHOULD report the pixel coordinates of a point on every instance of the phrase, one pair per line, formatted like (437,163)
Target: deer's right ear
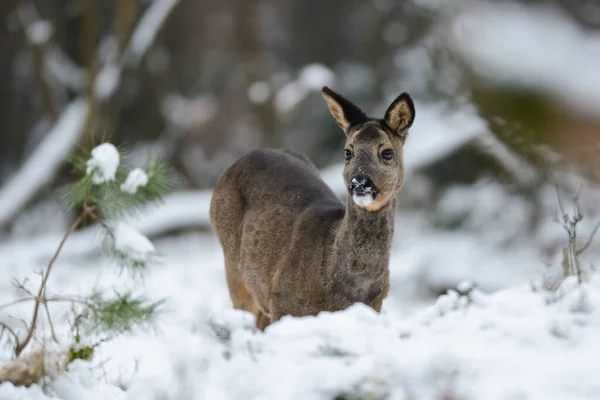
(345,112)
(401,114)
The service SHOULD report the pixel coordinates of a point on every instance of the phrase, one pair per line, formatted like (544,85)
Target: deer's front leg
(378,301)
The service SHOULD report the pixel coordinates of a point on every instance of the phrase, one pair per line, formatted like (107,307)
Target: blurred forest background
(505,92)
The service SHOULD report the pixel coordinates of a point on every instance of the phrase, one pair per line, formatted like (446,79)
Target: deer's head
(374,162)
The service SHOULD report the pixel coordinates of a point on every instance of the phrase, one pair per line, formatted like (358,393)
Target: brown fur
(290,245)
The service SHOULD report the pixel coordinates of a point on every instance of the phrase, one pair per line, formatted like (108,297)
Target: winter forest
(118,117)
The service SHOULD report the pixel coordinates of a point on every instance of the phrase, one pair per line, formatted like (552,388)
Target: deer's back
(269,178)
(267,205)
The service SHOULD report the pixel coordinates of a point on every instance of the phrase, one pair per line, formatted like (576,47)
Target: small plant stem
(52,332)
(11,331)
(590,238)
(39,299)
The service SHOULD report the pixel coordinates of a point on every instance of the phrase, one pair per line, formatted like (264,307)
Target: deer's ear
(345,112)
(401,113)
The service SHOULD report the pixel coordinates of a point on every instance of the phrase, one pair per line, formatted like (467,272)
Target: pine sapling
(107,191)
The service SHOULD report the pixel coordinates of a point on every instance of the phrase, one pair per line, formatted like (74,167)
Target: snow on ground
(518,343)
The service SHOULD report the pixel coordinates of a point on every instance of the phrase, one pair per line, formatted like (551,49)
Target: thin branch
(578,194)
(52,332)
(590,238)
(560,203)
(21,286)
(19,348)
(11,331)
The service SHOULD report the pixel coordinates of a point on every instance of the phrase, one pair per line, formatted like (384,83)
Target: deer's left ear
(401,113)
(345,113)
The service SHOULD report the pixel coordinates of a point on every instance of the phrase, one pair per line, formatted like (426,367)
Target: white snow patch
(39,32)
(259,92)
(131,243)
(464,286)
(136,178)
(539,345)
(104,163)
(363,200)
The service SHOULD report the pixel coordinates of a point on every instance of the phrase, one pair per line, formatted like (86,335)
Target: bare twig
(21,287)
(8,329)
(39,299)
(52,332)
(571,263)
(560,204)
(590,238)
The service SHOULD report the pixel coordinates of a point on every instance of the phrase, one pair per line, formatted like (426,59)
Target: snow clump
(131,243)
(135,179)
(103,164)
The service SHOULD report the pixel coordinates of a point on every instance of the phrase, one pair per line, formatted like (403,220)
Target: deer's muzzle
(362,185)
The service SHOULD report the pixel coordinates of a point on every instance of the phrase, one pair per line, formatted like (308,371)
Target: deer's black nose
(362,185)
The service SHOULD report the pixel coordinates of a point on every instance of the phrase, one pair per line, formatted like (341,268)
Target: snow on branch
(147,30)
(41,166)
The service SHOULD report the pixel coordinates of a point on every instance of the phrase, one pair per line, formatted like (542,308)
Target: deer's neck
(360,261)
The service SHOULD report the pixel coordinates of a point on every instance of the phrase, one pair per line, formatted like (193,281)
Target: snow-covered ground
(520,342)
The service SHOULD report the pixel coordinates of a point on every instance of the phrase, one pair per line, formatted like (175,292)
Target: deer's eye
(347,154)
(387,154)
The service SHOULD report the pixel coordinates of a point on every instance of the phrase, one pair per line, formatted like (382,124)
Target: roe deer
(290,245)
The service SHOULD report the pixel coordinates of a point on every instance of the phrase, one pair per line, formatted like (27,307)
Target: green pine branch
(120,314)
(98,314)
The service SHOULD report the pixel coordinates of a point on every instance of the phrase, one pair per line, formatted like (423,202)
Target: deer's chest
(359,287)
